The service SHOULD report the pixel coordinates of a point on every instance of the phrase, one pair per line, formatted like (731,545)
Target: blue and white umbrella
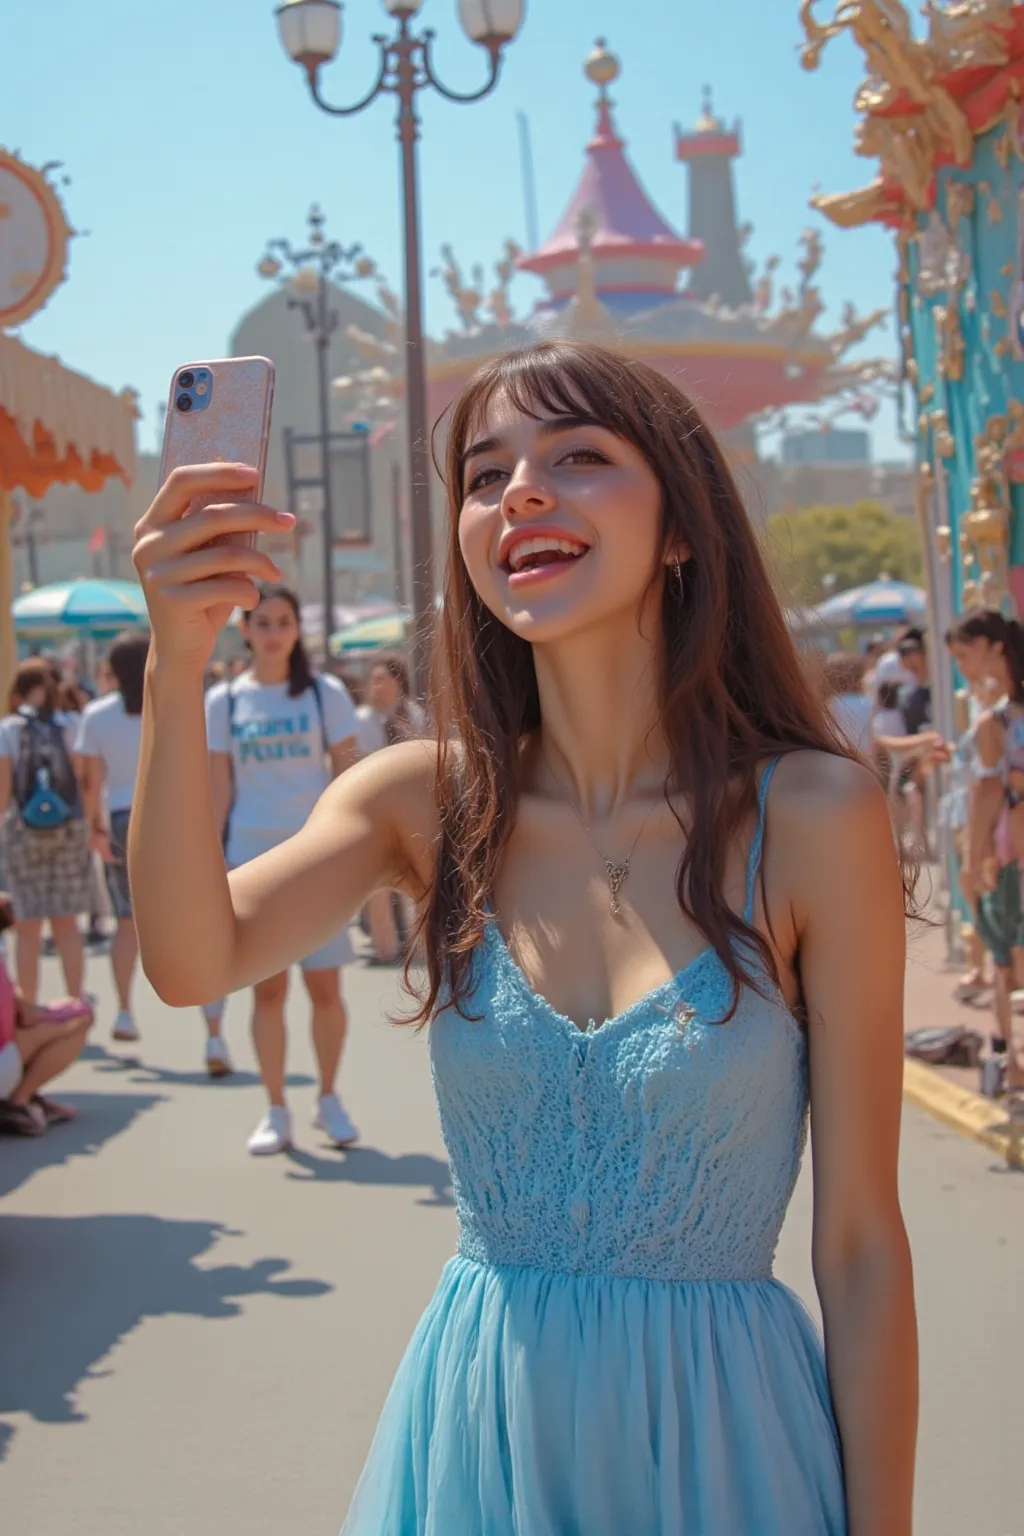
(880,602)
(88,603)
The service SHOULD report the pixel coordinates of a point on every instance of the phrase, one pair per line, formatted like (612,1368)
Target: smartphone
(219,413)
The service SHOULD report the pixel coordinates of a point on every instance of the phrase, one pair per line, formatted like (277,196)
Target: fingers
(155,542)
(214,560)
(188,481)
(227,591)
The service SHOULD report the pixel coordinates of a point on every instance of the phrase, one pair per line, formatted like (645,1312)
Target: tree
(817,550)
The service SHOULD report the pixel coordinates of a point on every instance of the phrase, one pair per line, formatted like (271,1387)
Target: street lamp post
(310,32)
(313,268)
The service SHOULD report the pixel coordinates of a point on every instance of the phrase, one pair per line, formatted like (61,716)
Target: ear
(680,554)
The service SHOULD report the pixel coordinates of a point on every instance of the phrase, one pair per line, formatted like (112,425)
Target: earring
(677,571)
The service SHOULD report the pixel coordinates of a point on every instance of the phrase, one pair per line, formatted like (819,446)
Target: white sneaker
(218,1062)
(332,1118)
(273,1134)
(125,1027)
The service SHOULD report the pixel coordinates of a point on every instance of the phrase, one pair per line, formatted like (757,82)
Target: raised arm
(201,936)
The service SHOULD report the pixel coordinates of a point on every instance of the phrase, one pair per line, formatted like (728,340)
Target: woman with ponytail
(277,735)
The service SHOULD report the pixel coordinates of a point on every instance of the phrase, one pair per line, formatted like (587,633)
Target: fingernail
(286,519)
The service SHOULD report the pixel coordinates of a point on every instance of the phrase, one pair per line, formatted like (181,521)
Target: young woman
(36,1045)
(276,737)
(649,877)
(995,834)
(48,868)
(975,644)
(107,749)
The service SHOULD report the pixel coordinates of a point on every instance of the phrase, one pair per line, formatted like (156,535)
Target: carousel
(57,427)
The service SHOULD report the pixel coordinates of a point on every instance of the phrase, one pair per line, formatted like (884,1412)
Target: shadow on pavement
(365,1165)
(100,1117)
(108,1063)
(72,1287)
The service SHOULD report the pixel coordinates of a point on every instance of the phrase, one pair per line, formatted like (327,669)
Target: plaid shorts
(49,874)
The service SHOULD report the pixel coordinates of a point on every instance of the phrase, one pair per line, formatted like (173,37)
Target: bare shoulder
(831,829)
(822,787)
(394,790)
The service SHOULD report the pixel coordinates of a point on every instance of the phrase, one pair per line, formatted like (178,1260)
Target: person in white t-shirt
(276,736)
(107,750)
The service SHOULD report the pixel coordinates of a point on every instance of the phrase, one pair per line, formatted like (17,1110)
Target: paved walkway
(195,1343)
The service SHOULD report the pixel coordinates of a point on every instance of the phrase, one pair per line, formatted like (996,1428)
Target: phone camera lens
(184,402)
(186,379)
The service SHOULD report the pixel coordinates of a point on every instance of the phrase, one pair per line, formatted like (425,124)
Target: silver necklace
(617,874)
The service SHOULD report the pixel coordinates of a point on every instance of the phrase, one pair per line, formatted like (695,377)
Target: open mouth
(533,558)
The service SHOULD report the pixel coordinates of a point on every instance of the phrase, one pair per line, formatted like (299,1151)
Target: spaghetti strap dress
(609,1354)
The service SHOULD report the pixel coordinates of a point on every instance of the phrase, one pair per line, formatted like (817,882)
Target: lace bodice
(662,1145)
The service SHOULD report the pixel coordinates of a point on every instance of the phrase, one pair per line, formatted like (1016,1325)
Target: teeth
(540,545)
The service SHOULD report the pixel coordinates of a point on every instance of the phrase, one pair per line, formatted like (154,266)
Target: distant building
(837,445)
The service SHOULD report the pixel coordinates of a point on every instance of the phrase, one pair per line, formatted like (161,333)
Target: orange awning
(59,427)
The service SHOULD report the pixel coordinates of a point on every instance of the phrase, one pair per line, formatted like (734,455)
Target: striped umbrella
(386,633)
(89,603)
(880,602)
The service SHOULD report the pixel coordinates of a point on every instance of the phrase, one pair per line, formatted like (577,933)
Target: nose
(526,493)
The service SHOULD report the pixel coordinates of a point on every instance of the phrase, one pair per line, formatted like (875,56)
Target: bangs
(552,381)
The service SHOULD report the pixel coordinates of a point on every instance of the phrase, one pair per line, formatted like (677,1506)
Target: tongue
(547,557)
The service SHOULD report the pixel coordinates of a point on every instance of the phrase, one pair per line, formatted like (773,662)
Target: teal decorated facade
(942,112)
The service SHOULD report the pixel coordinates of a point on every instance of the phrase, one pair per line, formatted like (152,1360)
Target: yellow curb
(966,1112)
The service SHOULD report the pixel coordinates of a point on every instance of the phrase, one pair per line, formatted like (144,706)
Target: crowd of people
(277,733)
(882,703)
(69,752)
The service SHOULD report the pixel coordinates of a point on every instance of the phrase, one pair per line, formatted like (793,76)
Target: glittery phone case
(231,427)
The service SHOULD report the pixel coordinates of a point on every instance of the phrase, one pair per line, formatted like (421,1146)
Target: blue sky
(189,140)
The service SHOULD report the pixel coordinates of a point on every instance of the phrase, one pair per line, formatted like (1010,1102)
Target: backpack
(45,786)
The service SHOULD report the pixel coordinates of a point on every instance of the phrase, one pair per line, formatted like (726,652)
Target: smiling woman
(648,870)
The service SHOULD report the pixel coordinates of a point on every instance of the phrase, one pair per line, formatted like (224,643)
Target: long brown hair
(732,688)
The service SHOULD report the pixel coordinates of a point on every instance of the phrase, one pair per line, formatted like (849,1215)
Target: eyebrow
(547,427)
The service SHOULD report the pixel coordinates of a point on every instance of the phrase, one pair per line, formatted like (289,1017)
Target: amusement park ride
(691,305)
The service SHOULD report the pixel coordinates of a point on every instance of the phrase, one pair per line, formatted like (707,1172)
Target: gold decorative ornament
(905,69)
(927,394)
(997,304)
(951,340)
(945,446)
(959,201)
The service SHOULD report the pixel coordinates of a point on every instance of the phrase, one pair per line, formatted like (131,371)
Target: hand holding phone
(195,548)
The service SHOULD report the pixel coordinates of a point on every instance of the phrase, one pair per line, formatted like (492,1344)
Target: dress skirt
(533,1403)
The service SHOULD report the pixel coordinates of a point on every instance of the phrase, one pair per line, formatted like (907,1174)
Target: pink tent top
(627,225)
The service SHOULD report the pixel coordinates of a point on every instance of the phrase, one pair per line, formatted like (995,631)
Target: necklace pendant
(617,874)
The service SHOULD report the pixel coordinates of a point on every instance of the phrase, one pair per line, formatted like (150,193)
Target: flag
(97,540)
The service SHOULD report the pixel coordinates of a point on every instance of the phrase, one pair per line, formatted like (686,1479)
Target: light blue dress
(609,1354)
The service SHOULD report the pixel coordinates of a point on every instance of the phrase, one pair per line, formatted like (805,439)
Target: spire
(707,122)
(631,247)
(708,151)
